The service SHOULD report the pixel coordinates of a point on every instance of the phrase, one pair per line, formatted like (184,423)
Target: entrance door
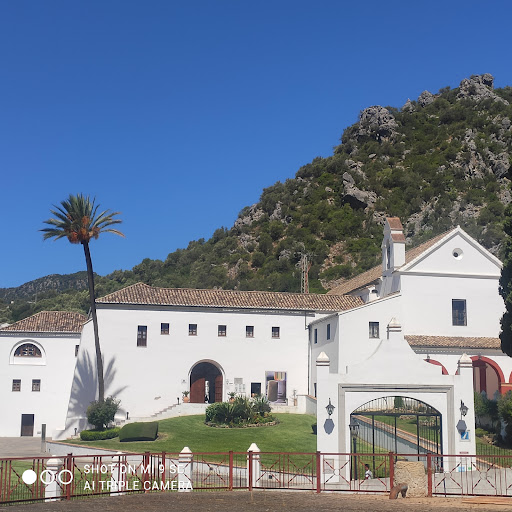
(199,392)
(27,425)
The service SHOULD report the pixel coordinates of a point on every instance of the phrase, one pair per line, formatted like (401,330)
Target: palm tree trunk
(99,360)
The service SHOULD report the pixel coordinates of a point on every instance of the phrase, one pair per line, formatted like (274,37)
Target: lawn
(292,434)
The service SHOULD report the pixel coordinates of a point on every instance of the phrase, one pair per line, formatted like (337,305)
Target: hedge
(139,432)
(98,435)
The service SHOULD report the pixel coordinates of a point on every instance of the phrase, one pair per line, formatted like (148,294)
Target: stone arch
(437,363)
(206,379)
(487,376)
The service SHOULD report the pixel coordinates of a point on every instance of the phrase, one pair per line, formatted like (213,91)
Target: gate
(397,424)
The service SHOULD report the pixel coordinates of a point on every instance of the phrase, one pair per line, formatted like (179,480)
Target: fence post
(254,465)
(249,473)
(118,476)
(185,466)
(391,470)
(429,475)
(230,470)
(69,466)
(318,473)
(52,489)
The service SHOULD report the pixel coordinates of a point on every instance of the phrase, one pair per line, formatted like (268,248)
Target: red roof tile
(49,321)
(141,293)
(469,342)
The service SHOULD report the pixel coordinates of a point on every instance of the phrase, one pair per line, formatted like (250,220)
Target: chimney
(393,245)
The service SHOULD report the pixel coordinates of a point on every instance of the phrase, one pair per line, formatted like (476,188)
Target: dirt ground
(262,501)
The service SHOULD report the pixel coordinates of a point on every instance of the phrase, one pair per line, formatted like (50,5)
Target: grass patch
(292,434)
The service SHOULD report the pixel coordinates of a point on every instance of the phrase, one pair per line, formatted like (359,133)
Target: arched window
(27,350)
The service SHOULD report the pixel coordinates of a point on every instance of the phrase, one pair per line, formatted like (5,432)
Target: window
(249,331)
(222,330)
(459,312)
(142,336)
(328,331)
(164,328)
(315,335)
(374,329)
(16,385)
(192,329)
(27,350)
(36,385)
(77,348)
(275,332)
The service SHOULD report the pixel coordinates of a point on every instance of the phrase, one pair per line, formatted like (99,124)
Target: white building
(432,303)
(38,357)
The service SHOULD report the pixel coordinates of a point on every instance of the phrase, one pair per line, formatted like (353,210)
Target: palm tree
(78,220)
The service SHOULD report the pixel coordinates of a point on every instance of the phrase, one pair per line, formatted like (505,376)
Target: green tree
(506,286)
(100,414)
(78,220)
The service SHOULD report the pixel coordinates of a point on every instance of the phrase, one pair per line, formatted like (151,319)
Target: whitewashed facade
(442,297)
(38,360)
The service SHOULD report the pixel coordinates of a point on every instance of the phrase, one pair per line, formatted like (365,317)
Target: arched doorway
(397,424)
(205,383)
(487,376)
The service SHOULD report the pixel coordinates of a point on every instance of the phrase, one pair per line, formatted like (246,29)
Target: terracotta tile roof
(141,293)
(398,237)
(394,223)
(372,275)
(453,342)
(49,321)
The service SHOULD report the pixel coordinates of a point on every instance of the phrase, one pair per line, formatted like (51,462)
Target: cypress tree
(506,286)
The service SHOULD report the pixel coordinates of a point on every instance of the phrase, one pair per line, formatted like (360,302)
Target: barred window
(373,328)
(27,350)
(36,385)
(164,328)
(222,331)
(142,336)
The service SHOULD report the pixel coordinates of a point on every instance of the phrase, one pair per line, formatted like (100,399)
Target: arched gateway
(205,383)
(397,424)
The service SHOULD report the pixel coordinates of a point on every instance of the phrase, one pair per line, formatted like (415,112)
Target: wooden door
(197,390)
(218,388)
(27,425)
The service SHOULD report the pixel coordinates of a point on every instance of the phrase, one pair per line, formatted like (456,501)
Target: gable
(456,253)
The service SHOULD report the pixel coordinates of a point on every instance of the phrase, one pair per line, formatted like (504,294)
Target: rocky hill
(438,161)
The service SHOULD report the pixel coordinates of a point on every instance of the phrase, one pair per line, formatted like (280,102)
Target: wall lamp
(330,408)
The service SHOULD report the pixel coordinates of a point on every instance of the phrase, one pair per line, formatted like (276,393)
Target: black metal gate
(396,424)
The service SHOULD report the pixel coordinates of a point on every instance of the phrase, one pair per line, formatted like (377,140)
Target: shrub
(147,431)
(99,435)
(240,412)
(100,414)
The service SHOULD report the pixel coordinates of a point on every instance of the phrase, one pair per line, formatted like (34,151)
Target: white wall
(55,371)
(149,379)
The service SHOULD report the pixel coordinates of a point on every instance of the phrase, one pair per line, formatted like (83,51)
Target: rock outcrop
(479,87)
(378,123)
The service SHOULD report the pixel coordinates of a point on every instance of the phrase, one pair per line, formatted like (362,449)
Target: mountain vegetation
(439,161)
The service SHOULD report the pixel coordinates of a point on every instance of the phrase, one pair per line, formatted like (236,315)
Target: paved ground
(259,501)
(20,447)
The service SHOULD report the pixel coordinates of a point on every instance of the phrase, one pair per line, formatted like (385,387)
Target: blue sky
(178,114)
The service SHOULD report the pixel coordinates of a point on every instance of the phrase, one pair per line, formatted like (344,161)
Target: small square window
(77,348)
(328,331)
(164,328)
(192,329)
(222,330)
(36,385)
(459,312)
(249,331)
(374,329)
(16,385)
(315,335)
(275,332)
(142,336)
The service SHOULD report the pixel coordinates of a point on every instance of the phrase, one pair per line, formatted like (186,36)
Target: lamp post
(354,432)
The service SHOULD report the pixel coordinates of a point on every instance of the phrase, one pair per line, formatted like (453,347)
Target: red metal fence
(77,476)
